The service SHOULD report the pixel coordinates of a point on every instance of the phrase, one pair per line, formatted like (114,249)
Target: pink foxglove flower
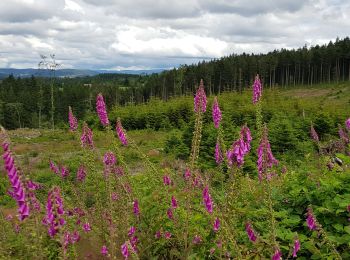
(54,168)
(216,113)
(125,250)
(121,133)
(277,255)
(218,154)
(265,157)
(216,225)
(167,235)
(250,232)
(257,90)
(34,202)
(114,196)
(296,247)
(81,174)
(33,185)
(240,148)
(187,174)
(200,100)
(136,207)
(343,135)
(54,212)
(101,110)
(166,180)
(170,213)
(314,134)
(104,250)
(75,237)
(131,231)
(109,159)
(311,220)
(158,234)
(64,172)
(196,240)
(73,122)
(133,242)
(208,203)
(18,191)
(87,227)
(173,202)
(86,137)
(347,124)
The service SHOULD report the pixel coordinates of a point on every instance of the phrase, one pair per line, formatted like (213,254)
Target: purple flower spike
(54,168)
(109,159)
(218,154)
(170,213)
(104,250)
(187,174)
(216,225)
(197,240)
(257,90)
(173,202)
(200,100)
(166,180)
(54,212)
(311,220)
(101,110)
(240,148)
(296,247)
(73,122)
(18,191)
(208,203)
(125,250)
(132,231)
(347,124)
(167,235)
(87,227)
(121,133)
(277,255)
(136,207)
(86,137)
(33,185)
(216,113)
(250,232)
(158,234)
(265,157)
(81,174)
(64,172)
(343,135)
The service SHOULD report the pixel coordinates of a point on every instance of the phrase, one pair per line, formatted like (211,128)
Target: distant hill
(69,73)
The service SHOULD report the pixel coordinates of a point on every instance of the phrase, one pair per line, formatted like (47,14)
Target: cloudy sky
(144,34)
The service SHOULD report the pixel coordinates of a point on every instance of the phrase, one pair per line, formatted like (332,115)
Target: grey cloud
(251,8)
(154,34)
(151,9)
(23,11)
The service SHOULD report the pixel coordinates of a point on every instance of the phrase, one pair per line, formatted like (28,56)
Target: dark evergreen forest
(43,102)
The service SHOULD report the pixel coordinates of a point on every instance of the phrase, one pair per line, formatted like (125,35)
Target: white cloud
(71,5)
(142,34)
